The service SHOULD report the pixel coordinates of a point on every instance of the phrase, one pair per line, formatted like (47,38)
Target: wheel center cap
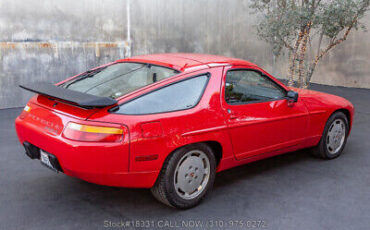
(191,174)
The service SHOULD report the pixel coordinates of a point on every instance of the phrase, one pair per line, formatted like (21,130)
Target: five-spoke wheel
(334,137)
(187,174)
(191,174)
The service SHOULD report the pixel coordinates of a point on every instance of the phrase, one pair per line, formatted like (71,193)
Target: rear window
(118,79)
(178,96)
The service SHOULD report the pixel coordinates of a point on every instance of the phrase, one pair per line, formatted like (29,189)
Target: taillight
(24,112)
(79,132)
(27,108)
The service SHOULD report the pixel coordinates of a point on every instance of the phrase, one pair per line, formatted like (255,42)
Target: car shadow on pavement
(141,199)
(244,172)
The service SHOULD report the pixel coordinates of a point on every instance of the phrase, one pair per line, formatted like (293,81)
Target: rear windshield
(118,79)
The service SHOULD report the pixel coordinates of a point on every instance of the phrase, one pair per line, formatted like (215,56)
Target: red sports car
(169,122)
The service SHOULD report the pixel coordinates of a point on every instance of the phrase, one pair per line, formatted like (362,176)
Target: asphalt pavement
(291,191)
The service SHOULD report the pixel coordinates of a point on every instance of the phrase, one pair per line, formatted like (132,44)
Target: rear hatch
(65,101)
(53,107)
(63,107)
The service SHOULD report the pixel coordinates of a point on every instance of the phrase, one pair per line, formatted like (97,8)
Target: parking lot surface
(291,191)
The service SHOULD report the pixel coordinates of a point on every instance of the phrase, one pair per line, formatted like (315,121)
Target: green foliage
(284,23)
(278,25)
(335,16)
(282,19)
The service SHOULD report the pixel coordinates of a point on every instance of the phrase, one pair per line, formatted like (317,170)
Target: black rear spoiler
(77,98)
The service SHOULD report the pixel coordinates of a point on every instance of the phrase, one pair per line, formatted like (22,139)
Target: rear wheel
(334,137)
(186,177)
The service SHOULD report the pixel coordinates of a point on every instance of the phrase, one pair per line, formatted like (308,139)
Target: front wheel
(186,177)
(334,137)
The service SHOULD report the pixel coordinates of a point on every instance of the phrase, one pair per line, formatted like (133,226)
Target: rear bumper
(124,179)
(99,163)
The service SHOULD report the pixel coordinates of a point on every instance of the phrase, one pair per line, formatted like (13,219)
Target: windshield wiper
(87,74)
(114,78)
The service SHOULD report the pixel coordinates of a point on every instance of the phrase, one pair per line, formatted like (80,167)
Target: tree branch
(287,45)
(335,42)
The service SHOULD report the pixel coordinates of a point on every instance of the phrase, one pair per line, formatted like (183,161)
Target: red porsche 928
(169,122)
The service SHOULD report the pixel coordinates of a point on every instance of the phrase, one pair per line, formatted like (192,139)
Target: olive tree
(294,25)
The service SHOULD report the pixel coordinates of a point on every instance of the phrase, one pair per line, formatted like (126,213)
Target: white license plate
(44,157)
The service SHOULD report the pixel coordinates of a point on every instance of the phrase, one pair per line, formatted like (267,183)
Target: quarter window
(244,86)
(178,96)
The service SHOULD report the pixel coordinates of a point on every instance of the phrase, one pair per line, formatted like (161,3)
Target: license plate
(44,158)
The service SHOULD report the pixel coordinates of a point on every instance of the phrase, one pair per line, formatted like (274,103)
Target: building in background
(51,40)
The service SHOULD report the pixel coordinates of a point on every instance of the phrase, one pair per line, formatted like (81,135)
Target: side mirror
(292,96)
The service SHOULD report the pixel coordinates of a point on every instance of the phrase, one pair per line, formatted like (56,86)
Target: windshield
(118,79)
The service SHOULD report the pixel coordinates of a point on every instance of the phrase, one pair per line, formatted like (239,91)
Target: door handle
(232,115)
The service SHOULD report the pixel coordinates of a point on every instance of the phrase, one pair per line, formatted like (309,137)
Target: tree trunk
(310,72)
(291,69)
(293,57)
(314,62)
(302,55)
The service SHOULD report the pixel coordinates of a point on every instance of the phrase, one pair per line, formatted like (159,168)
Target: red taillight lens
(92,133)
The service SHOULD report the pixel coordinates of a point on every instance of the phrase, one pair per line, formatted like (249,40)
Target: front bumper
(99,163)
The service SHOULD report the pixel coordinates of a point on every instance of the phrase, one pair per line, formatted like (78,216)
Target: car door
(259,117)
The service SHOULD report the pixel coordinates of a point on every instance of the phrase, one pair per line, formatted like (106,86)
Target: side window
(178,96)
(243,86)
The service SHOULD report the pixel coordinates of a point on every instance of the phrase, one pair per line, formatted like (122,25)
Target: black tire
(321,150)
(164,189)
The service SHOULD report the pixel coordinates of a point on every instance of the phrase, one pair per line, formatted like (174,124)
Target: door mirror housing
(292,96)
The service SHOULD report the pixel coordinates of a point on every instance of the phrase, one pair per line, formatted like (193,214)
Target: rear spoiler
(77,98)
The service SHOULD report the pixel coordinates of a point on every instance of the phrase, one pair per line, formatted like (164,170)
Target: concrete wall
(51,40)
